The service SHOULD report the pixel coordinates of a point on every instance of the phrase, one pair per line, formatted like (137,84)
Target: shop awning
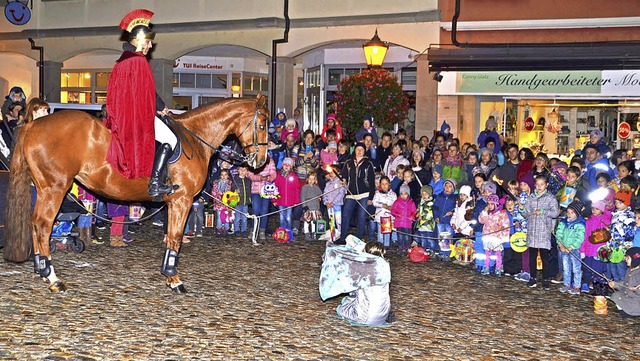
(486,57)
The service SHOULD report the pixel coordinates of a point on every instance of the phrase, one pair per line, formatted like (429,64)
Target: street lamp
(375,51)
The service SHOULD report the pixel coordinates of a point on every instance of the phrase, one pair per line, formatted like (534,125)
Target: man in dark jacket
(509,170)
(384,150)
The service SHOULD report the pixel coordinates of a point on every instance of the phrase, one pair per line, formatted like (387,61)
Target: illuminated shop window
(84,86)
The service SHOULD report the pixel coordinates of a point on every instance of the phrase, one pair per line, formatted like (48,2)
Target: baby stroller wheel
(52,246)
(78,246)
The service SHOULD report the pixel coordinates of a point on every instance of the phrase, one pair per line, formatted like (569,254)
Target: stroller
(62,236)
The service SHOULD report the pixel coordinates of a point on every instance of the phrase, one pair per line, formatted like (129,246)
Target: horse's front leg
(178,211)
(42,222)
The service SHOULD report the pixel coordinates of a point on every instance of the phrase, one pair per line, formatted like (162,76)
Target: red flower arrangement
(375,92)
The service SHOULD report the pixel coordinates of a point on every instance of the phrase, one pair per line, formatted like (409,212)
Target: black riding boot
(157,184)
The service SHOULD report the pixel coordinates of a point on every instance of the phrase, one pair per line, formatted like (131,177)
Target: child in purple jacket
(333,198)
(404,211)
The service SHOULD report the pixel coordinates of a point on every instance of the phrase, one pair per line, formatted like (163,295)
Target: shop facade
(205,51)
(550,111)
(324,69)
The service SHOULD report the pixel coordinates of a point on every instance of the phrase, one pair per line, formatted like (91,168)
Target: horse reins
(243,158)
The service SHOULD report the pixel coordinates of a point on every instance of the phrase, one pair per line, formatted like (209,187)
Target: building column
(284,82)
(52,73)
(426,100)
(163,76)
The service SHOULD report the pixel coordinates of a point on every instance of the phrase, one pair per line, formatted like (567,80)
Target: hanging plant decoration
(375,92)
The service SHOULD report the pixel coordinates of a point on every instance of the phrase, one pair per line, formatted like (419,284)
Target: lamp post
(375,51)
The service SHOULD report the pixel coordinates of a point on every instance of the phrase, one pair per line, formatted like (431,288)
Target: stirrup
(157,189)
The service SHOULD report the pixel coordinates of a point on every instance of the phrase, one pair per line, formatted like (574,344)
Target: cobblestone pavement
(248,302)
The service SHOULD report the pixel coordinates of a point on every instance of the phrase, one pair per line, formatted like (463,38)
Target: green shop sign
(528,82)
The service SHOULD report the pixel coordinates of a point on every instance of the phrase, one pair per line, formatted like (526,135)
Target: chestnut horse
(53,151)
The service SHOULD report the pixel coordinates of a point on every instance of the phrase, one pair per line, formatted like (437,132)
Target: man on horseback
(133,108)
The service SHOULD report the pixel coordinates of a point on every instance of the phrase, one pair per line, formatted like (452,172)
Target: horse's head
(253,136)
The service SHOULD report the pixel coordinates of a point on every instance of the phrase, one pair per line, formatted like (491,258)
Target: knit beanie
(634,253)
(559,165)
(624,197)
(493,199)
(288,161)
(601,205)
(597,133)
(405,189)
(527,178)
(466,190)
(290,122)
(491,122)
(496,201)
(452,181)
(333,145)
(444,127)
(438,169)
(491,187)
(576,206)
(427,189)
(360,144)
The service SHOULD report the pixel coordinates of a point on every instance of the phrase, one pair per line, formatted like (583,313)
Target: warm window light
(235,91)
(374,51)
(87,76)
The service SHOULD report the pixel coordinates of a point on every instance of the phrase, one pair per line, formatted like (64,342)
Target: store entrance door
(313,99)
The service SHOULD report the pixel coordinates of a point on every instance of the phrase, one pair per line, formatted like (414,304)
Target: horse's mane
(222,104)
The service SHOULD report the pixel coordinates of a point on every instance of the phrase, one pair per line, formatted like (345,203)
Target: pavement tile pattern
(261,303)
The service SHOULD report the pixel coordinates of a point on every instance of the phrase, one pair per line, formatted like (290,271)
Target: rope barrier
(107,220)
(602,275)
(256,218)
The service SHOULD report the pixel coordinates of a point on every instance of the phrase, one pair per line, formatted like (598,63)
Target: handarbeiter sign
(597,83)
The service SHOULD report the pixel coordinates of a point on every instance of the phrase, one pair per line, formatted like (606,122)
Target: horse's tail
(17,242)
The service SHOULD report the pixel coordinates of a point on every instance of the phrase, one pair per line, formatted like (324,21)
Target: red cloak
(131,107)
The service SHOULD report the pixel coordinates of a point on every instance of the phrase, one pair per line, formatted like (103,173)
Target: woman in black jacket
(359,175)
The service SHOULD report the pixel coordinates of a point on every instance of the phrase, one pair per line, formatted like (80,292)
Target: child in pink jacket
(600,218)
(289,188)
(291,127)
(404,211)
(494,233)
(329,156)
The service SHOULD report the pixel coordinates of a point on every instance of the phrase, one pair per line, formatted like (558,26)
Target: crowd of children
(536,219)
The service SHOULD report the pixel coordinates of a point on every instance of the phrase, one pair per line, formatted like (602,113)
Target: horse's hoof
(58,287)
(179,289)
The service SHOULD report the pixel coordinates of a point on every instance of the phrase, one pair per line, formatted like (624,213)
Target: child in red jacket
(404,211)
(289,188)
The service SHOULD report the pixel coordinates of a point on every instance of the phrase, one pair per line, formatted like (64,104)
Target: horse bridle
(249,158)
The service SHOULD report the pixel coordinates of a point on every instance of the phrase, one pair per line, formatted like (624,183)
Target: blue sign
(17,12)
